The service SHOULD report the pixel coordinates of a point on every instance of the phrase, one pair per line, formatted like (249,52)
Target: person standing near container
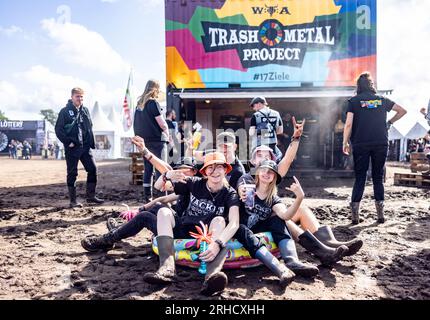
(74,129)
(266,124)
(150,124)
(367,127)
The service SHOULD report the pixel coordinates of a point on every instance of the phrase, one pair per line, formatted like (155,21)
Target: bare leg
(294,229)
(217,226)
(165,222)
(306,219)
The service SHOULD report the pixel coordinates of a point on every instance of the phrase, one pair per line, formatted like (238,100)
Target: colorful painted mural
(275,43)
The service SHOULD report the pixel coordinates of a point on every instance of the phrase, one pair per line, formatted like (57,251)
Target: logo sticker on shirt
(371,104)
(71,113)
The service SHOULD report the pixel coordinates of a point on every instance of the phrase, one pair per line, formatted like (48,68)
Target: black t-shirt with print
(260,212)
(204,205)
(370,119)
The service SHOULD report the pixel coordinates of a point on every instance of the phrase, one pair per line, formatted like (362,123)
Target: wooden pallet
(411,180)
(136,168)
(419,162)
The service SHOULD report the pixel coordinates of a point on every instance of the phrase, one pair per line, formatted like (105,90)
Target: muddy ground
(41,256)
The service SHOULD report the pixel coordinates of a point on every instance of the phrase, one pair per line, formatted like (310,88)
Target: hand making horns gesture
(296,188)
(298,128)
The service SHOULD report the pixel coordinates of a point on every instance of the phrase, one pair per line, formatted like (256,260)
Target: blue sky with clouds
(41,57)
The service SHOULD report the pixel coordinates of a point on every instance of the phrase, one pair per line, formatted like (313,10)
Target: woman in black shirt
(150,124)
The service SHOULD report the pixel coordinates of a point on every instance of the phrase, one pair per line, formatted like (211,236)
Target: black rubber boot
(215,280)
(102,243)
(91,194)
(147,195)
(379,205)
(72,197)
(326,236)
(291,259)
(285,275)
(166,272)
(328,256)
(355,212)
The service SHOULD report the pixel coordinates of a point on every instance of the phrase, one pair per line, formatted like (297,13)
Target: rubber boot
(326,236)
(91,194)
(328,256)
(355,210)
(215,280)
(166,272)
(147,195)
(101,243)
(380,211)
(72,197)
(284,274)
(291,259)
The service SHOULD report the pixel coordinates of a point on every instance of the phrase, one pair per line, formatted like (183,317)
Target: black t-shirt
(234,175)
(145,124)
(203,205)
(370,119)
(260,212)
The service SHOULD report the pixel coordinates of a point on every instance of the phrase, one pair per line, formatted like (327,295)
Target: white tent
(417,131)
(122,138)
(104,134)
(394,134)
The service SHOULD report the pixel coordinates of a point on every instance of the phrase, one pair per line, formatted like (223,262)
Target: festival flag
(128,109)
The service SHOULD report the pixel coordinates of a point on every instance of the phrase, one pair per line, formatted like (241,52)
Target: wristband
(220,244)
(295,139)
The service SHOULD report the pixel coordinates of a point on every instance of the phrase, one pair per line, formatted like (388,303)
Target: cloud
(10,31)
(39,88)
(403,54)
(80,46)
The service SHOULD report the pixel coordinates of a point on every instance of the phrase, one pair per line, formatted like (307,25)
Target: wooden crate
(411,180)
(136,168)
(419,162)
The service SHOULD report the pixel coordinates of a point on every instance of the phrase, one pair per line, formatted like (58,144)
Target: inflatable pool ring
(237,256)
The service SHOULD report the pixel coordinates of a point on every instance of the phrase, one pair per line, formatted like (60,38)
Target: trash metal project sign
(279,43)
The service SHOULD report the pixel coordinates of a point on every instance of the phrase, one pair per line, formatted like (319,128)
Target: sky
(49,46)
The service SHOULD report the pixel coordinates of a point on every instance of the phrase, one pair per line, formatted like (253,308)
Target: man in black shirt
(367,127)
(74,130)
(226,143)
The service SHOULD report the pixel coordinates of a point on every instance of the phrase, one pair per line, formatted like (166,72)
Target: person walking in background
(367,127)
(266,124)
(427,151)
(74,129)
(288,130)
(174,155)
(12,149)
(150,124)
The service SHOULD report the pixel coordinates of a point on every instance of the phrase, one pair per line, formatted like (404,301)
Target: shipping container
(302,55)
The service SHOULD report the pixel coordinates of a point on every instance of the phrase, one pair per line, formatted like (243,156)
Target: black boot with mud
(166,273)
(72,197)
(326,236)
(91,194)
(215,280)
(101,243)
(328,256)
